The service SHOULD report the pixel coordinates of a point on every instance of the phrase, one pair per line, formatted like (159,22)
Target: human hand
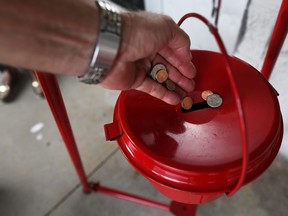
(148,39)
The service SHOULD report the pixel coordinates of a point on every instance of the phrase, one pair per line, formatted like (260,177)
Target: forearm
(55,36)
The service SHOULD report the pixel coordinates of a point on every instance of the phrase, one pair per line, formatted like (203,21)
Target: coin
(205,94)
(170,85)
(187,103)
(214,100)
(155,69)
(161,76)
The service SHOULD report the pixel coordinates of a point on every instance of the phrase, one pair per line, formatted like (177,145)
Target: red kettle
(195,156)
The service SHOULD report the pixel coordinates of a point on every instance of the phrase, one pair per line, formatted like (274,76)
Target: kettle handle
(239,105)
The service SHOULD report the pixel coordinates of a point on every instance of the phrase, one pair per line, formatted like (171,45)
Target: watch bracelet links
(107,44)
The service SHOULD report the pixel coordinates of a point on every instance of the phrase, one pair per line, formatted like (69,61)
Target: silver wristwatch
(107,44)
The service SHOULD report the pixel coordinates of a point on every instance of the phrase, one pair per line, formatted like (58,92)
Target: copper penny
(187,103)
(205,94)
(161,76)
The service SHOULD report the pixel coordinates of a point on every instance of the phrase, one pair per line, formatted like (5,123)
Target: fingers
(185,67)
(188,85)
(177,58)
(157,90)
(153,39)
(185,83)
(178,53)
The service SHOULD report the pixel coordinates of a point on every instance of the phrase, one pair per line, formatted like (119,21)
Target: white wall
(261,20)
(229,20)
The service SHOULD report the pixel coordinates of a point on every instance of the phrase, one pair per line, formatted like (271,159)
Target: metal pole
(54,98)
(176,208)
(130,197)
(277,40)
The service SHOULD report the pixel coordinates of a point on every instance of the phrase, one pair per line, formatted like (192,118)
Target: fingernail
(194,69)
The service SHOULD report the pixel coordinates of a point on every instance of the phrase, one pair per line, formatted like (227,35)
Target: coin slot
(195,107)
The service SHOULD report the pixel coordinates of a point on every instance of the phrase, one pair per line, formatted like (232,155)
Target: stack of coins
(160,74)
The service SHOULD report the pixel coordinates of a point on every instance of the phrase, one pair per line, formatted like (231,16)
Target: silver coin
(214,100)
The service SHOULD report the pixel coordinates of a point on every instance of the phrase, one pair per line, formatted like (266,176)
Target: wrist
(107,44)
(127,28)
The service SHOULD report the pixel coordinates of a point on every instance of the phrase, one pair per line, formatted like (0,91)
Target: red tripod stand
(53,95)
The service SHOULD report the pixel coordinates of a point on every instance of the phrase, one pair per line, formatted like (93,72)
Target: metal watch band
(107,44)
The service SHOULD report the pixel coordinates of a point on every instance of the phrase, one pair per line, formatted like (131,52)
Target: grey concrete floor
(37,177)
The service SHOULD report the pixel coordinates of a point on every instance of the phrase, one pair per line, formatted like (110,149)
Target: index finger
(157,90)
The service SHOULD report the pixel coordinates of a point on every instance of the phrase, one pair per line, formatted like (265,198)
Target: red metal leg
(54,98)
(176,208)
(129,197)
(277,40)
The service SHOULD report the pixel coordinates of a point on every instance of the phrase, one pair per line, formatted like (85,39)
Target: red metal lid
(201,150)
